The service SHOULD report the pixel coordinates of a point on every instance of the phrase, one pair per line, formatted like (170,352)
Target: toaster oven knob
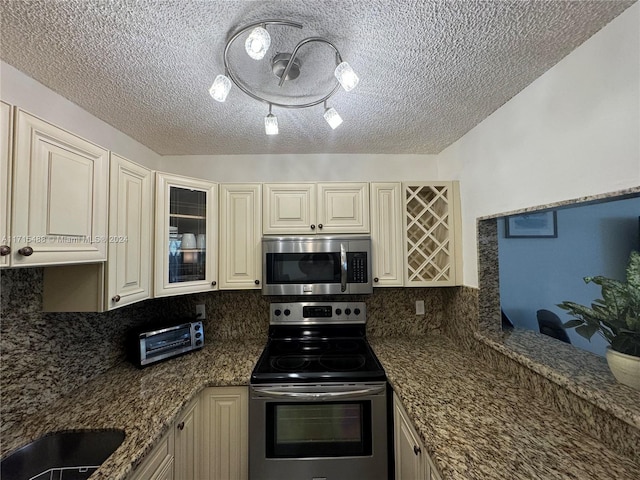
(347,311)
(287,312)
(198,342)
(357,311)
(196,327)
(198,335)
(277,312)
(338,311)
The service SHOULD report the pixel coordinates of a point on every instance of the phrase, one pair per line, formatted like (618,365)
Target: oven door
(333,431)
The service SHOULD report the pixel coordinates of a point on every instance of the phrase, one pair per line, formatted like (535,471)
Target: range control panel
(318,313)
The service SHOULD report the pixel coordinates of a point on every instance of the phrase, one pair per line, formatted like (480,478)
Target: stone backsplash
(46,355)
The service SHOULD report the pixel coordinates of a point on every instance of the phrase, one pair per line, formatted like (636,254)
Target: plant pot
(626,368)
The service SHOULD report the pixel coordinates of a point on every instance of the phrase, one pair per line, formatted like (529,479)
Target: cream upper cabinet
(6,143)
(240,234)
(432,234)
(185,235)
(59,196)
(130,229)
(343,207)
(308,208)
(225,441)
(188,443)
(289,208)
(386,234)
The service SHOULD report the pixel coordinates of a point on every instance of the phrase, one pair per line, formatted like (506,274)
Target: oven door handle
(270,392)
(343,268)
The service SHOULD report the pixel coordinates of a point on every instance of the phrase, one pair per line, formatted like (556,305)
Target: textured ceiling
(429,70)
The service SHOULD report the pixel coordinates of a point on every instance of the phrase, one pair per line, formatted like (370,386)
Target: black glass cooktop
(324,359)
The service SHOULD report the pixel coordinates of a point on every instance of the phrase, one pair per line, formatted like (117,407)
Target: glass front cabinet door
(186,223)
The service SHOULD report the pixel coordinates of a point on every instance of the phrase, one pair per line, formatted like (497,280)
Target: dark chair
(550,324)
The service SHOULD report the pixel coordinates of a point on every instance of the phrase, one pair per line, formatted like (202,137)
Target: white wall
(18,89)
(573,132)
(311,167)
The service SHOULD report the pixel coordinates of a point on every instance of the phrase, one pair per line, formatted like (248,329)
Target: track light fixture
(286,67)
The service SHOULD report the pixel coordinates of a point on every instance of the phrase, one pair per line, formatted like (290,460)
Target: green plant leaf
(573,323)
(586,331)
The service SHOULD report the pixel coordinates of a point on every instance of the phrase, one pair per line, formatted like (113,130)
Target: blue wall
(539,273)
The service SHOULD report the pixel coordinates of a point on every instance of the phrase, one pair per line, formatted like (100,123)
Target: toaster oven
(151,346)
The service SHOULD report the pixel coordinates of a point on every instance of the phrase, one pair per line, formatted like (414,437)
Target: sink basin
(76,455)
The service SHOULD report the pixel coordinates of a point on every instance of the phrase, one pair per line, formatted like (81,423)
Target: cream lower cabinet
(225,417)
(240,262)
(432,234)
(159,464)
(59,198)
(186,235)
(411,459)
(6,133)
(386,234)
(188,441)
(310,208)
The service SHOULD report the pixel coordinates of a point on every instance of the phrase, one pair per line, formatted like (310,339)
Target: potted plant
(616,316)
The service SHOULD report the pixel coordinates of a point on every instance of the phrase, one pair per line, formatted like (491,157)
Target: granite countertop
(474,422)
(143,403)
(481,424)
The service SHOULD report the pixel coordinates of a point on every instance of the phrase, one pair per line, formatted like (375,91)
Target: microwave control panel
(357,267)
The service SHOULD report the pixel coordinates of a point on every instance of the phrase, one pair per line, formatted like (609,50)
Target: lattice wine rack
(429,234)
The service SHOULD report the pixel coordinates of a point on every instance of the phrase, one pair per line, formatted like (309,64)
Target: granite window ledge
(582,373)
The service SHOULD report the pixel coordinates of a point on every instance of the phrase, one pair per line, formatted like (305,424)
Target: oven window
(327,429)
(294,268)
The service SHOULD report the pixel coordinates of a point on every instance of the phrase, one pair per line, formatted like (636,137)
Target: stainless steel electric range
(318,407)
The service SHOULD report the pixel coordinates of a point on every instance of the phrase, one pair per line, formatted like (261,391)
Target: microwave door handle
(268,392)
(343,268)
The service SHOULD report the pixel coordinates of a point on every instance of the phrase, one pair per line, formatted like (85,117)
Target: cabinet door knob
(375,279)
(4,250)
(214,283)
(313,227)
(257,282)
(320,226)
(417,450)
(181,426)
(26,251)
(116,298)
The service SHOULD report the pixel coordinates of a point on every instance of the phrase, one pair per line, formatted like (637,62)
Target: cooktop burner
(308,343)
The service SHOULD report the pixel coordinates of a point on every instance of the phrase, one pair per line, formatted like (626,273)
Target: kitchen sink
(72,455)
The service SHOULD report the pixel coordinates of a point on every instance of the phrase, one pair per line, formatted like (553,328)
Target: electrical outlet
(419,307)
(201,313)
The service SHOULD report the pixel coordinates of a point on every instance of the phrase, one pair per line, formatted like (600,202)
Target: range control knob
(196,328)
(277,312)
(198,342)
(287,312)
(338,311)
(356,311)
(347,311)
(198,335)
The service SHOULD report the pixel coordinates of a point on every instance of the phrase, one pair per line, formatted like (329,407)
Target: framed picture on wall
(532,225)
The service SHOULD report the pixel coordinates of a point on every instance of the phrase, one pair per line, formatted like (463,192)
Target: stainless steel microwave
(316,265)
